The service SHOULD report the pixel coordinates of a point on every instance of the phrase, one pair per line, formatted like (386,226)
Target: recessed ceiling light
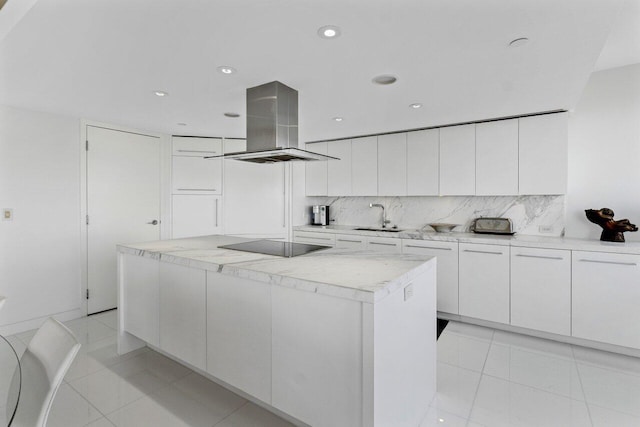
(225,69)
(415,105)
(518,42)
(232,115)
(384,79)
(160,93)
(338,119)
(329,32)
(181,124)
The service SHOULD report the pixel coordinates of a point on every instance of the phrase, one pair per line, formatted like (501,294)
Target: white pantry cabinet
(541,289)
(543,154)
(446,254)
(392,164)
(364,166)
(183,313)
(497,158)
(458,160)
(194,146)
(195,215)
(606,298)
(350,241)
(484,281)
(423,164)
(141,293)
(239,333)
(316,171)
(339,171)
(196,175)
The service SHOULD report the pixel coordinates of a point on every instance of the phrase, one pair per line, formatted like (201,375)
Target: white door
(123,204)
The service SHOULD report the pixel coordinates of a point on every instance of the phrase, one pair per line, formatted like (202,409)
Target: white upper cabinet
(392,164)
(316,171)
(339,171)
(543,154)
(197,147)
(364,166)
(458,160)
(497,158)
(423,163)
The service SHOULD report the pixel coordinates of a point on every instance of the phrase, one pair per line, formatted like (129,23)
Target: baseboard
(27,325)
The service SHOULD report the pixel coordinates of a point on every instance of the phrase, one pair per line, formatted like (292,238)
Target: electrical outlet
(545,229)
(408,291)
(7,214)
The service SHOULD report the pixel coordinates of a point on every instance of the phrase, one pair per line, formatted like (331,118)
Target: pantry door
(123,204)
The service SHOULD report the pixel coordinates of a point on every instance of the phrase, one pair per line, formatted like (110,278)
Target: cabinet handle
(350,241)
(284,197)
(316,238)
(482,252)
(540,256)
(427,247)
(383,244)
(196,189)
(216,212)
(609,262)
(197,151)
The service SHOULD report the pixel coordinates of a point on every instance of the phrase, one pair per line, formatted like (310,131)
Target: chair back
(43,367)
(2,300)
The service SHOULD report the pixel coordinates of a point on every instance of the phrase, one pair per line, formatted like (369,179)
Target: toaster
(492,226)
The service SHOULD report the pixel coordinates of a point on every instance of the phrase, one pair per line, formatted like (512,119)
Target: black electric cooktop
(272,247)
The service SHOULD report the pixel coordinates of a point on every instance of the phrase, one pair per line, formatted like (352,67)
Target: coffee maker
(319,215)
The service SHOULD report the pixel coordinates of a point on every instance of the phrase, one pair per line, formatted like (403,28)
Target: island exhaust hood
(272,127)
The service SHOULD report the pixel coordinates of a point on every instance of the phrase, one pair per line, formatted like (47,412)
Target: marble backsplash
(534,215)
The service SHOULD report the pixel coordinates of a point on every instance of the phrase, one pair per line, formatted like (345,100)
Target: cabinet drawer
(384,244)
(350,241)
(197,147)
(606,297)
(313,238)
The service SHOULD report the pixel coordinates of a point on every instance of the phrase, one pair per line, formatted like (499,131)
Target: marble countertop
(517,240)
(358,275)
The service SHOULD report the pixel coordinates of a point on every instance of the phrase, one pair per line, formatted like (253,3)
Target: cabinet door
(239,333)
(484,282)
(323,239)
(350,241)
(422,162)
(195,215)
(392,165)
(541,289)
(606,297)
(364,166)
(458,160)
(316,171)
(339,171)
(183,316)
(196,175)
(384,244)
(497,158)
(543,154)
(307,327)
(198,147)
(141,276)
(446,254)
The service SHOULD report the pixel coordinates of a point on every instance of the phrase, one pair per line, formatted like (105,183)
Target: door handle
(154,222)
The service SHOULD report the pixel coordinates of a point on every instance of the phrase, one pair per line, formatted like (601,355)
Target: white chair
(43,365)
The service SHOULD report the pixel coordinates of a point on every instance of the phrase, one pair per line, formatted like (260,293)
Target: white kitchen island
(332,338)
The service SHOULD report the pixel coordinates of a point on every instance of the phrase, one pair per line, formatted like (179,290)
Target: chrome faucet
(385,221)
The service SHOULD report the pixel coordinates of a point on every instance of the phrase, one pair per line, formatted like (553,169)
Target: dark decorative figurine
(611,230)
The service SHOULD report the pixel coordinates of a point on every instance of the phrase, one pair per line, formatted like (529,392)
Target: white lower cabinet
(606,298)
(239,333)
(313,238)
(350,241)
(484,281)
(446,254)
(140,276)
(183,317)
(384,244)
(541,289)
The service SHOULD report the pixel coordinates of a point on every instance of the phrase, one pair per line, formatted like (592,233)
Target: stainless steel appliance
(319,215)
(492,226)
(276,248)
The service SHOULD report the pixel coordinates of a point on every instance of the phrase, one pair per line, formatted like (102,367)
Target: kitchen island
(332,338)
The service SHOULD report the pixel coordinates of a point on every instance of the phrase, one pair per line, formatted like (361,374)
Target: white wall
(604,151)
(40,248)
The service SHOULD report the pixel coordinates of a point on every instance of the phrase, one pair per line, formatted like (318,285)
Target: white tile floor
(485,378)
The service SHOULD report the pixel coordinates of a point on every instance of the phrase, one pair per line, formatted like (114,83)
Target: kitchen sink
(387,230)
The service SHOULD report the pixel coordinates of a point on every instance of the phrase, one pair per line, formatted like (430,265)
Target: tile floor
(485,378)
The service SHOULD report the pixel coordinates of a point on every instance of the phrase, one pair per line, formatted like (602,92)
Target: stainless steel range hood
(272,127)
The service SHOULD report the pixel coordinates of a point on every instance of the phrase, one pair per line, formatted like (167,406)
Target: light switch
(7,214)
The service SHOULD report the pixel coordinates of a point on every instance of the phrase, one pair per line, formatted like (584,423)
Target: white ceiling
(103,59)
